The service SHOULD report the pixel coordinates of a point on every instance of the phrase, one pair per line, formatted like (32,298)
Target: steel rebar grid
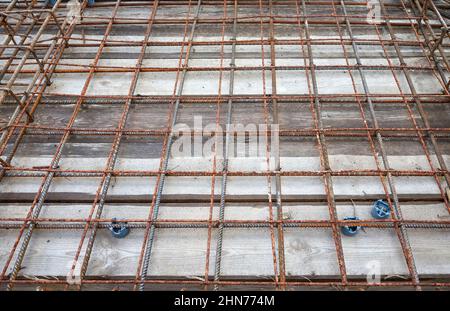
(18,113)
(415,101)
(268,152)
(315,108)
(220,231)
(435,43)
(276,153)
(146,251)
(29,49)
(40,196)
(402,234)
(112,159)
(419,106)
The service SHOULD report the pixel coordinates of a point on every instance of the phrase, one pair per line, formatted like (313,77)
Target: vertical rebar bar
(328,182)
(223,191)
(166,156)
(403,235)
(112,158)
(276,153)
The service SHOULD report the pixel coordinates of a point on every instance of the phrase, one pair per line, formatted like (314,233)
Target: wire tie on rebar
(8,90)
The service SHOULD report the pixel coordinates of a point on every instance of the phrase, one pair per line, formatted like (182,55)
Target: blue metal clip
(380,210)
(119,230)
(350,230)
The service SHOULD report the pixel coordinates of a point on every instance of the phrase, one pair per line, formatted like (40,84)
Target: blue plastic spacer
(380,210)
(91,2)
(119,230)
(350,230)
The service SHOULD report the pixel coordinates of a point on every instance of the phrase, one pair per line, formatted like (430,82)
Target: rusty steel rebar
(38,47)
